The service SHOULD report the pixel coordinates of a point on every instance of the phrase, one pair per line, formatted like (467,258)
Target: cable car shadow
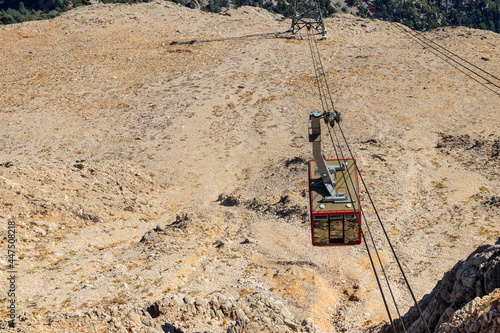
(269,35)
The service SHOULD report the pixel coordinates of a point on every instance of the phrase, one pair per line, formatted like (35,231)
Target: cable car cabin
(333,221)
(333,192)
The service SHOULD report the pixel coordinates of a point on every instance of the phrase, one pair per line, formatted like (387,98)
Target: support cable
(319,71)
(380,222)
(316,74)
(386,235)
(324,75)
(421,41)
(367,225)
(456,55)
(366,243)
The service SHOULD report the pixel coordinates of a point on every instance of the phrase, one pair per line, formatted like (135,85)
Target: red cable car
(333,191)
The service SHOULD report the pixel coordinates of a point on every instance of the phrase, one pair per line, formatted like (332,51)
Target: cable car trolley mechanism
(333,191)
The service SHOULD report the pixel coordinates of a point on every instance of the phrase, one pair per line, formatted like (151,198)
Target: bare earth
(110,131)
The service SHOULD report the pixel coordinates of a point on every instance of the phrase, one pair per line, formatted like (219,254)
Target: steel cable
(322,85)
(385,234)
(319,71)
(421,41)
(366,223)
(456,55)
(366,243)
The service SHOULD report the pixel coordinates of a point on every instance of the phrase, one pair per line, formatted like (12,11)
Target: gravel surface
(151,150)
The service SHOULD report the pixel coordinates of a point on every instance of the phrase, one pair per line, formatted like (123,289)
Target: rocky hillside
(466,299)
(424,15)
(419,15)
(153,165)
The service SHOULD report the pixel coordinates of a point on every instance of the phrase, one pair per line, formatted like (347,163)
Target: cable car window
(329,229)
(336,229)
(321,232)
(351,227)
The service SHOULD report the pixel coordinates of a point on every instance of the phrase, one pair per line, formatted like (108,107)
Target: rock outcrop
(467,299)
(177,314)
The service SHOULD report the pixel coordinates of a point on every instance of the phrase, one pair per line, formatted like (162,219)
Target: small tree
(6,18)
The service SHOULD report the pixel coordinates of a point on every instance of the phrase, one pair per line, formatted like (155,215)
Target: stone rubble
(178,314)
(466,299)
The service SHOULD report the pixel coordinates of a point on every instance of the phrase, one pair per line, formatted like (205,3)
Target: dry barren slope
(109,130)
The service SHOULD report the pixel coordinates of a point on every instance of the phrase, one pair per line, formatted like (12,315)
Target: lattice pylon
(307,14)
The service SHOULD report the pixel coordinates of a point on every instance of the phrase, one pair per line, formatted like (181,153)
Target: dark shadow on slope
(269,35)
(169,328)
